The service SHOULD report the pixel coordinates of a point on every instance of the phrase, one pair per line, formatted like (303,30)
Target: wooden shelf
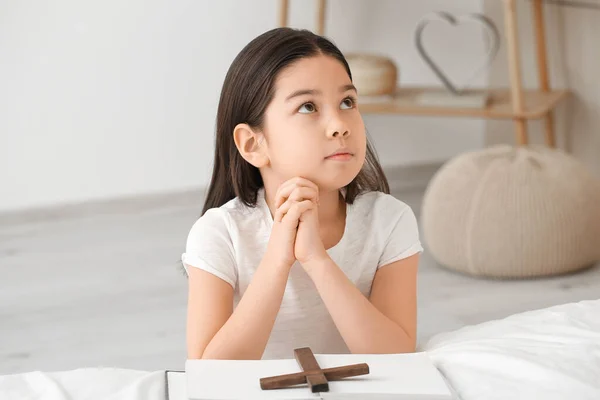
(536,104)
(516,103)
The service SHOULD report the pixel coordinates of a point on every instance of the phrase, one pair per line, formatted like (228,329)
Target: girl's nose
(336,134)
(337,128)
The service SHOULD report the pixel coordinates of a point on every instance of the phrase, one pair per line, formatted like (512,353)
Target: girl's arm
(215,331)
(387,323)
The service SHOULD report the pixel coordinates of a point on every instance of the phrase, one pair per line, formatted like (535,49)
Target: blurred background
(107,114)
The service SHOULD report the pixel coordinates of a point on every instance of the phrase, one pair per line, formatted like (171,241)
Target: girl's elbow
(230,354)
(194,354)
(407,345)
(411,348)
(196,350)
(402,347)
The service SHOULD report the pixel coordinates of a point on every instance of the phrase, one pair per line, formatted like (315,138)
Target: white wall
(116,98)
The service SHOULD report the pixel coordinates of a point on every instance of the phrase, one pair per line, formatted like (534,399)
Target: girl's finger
(287,205)
(282,210)
(303,193)
(298,181)
(297,194)
(296,210)
(288,187)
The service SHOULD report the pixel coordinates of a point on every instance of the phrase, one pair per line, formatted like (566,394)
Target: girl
(299,243)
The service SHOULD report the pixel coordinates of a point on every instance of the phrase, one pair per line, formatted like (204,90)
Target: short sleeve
(403,238)
(210,248)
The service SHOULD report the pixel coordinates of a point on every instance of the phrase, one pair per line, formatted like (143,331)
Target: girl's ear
(250,145)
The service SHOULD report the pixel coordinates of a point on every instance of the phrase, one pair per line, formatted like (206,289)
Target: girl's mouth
(340,156)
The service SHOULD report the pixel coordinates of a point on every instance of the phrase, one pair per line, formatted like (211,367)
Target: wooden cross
(312,374)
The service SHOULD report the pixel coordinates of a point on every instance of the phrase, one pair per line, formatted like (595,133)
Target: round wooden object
(373,75)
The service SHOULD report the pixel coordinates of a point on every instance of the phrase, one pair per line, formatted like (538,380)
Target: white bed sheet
(552,353)
(84,384)
(547,354)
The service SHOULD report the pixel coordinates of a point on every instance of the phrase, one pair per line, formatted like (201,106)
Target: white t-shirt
(231,240)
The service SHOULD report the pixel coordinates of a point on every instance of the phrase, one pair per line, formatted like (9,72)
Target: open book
(391,376)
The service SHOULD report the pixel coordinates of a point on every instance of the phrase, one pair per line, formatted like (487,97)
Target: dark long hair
(247,91)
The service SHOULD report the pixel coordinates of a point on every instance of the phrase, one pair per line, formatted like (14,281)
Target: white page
(240,379)
(390,374)
(400,376)
(176,385)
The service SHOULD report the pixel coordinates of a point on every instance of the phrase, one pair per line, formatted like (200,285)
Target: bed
(552,353)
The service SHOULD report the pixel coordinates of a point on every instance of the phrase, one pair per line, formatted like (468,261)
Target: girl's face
(312,126)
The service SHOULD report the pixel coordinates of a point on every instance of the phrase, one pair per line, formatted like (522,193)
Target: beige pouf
(511,212)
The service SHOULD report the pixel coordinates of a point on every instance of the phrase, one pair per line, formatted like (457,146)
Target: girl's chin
(335,184)
(337,180)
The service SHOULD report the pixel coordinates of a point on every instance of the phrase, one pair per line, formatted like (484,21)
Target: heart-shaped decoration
(490,29)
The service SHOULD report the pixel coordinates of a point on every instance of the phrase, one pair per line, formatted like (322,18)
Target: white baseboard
(114,206)
(411,177)
(401,179)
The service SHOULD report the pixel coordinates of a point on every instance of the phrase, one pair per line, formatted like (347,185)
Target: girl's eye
(307,108)
(348,103)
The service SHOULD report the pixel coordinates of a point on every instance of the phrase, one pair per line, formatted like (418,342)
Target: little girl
(300,243)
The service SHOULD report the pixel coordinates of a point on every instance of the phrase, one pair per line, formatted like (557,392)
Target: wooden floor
(107,291)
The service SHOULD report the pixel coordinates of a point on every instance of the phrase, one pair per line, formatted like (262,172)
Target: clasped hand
(296,234)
